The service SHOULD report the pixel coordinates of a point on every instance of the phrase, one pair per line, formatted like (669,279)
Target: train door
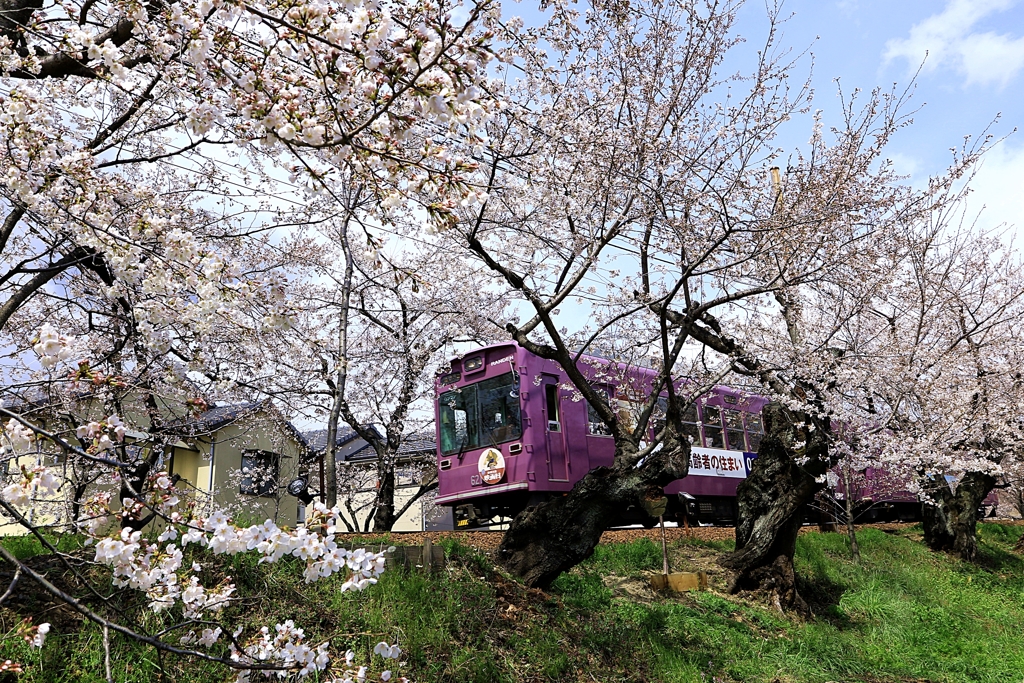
(554,431)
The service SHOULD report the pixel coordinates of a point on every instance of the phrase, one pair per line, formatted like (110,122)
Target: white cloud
(998,190)
(904,164)
(848,7)
(946,38)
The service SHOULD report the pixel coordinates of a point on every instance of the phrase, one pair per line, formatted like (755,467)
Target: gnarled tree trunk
(545,540)
(787,473)
(950,519)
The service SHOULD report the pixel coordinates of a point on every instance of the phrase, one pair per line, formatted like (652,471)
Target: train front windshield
(481,414)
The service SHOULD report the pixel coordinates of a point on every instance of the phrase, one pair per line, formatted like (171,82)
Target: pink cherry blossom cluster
(361,674)
(17,438)
(36,482)
(52,347)
(103,435)
(285,647)
(33,635)
(156,566)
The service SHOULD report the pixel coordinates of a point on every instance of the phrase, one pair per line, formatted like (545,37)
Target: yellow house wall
(210,462)
(219,464)
(13,528)
(412,520)
(187,464)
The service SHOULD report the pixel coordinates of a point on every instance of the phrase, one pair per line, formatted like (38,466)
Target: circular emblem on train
(491,466)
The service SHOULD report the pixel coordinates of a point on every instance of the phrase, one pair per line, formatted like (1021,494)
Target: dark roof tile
(316,439)
(211,419)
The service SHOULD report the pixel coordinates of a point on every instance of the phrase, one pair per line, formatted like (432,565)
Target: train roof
(741,394)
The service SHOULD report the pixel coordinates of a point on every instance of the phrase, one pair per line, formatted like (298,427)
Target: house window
(259,473)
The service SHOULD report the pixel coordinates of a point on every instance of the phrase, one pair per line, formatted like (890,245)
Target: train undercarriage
(682,509)
(695,511)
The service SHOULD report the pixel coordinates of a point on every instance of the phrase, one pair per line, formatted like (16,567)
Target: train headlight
(450,378)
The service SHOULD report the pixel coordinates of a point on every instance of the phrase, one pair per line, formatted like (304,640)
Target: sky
(964,60)
(971,59)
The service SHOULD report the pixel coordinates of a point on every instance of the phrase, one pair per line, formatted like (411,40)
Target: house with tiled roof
(357,473)
(348,444)
(60,412)
(241,457)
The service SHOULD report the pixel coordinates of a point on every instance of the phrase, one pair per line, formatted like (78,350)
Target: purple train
(512,431)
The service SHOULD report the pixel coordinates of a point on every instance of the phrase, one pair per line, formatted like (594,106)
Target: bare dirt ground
(488,541)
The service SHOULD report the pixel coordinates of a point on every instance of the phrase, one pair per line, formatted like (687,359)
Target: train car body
(512,431)
(880,496)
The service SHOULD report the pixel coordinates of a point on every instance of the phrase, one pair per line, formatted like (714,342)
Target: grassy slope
(904,615)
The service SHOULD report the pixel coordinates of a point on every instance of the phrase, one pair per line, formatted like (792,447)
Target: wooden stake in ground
(677,583)
(664,546)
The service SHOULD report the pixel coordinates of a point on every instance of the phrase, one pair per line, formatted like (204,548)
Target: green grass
(904,614)
(24,547)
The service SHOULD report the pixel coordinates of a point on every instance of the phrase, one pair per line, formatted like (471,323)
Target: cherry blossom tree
(940,383)
(147,149)
(384,307)
(631,178)
(126,490)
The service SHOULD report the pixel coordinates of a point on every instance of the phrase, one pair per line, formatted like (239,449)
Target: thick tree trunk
(545,540)
(384,515)
(950,519)
(771,506)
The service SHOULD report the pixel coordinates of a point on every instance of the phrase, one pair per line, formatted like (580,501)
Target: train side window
(754,431)
(595,425)
(551,403)
(712,427)
(690,427)
(734,430)
(659,415)
(690,419)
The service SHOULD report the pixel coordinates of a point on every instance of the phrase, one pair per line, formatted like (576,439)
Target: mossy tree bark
(789,470)
(547,539)
(950,518)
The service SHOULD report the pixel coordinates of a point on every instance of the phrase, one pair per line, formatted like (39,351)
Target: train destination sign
(491,466)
